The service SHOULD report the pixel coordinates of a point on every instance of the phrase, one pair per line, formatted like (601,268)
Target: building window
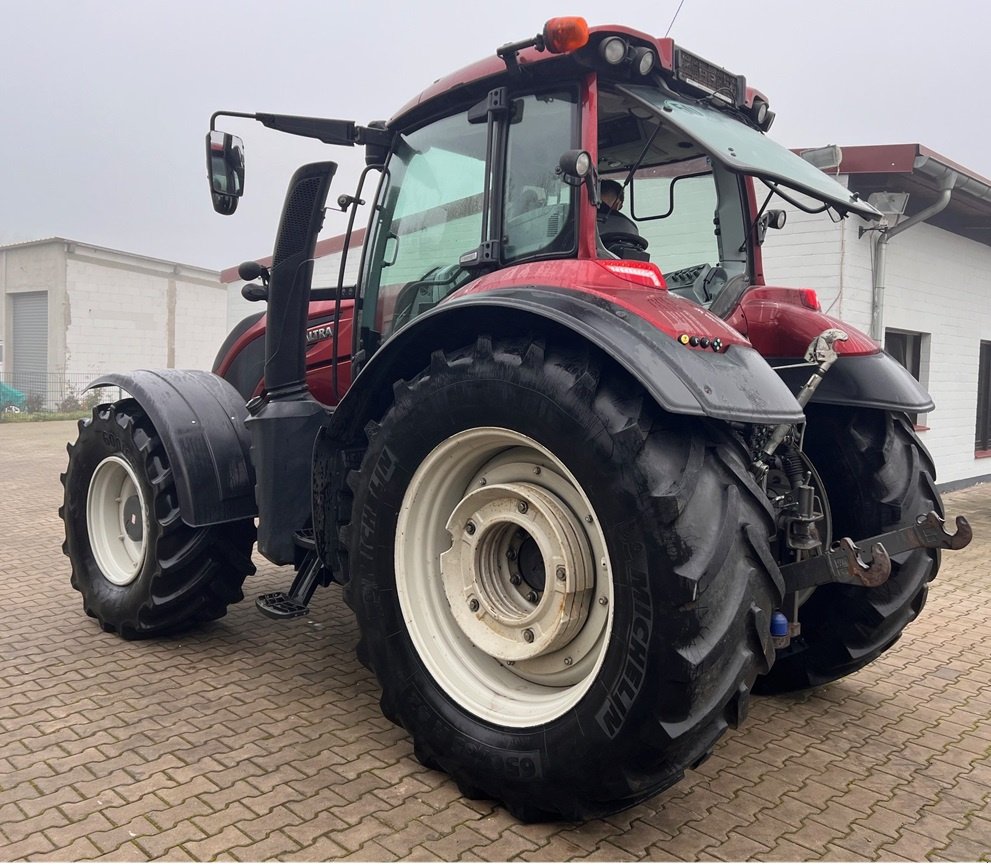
(983,442)
(911,350)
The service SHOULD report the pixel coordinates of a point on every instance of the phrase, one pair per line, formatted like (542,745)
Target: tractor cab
(499,165)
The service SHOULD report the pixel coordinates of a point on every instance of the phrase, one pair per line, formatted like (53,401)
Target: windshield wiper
(643,154)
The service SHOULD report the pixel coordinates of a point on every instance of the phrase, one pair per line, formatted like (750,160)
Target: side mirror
(225,169)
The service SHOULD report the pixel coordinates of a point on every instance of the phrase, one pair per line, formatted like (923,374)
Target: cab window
(430,206)
(429,215)
(539,217)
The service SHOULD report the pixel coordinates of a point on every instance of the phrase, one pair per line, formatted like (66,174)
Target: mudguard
(200,419)
(735,385)
(875,381)
(780,325)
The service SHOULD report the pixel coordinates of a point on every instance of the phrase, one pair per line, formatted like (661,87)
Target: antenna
(675,18)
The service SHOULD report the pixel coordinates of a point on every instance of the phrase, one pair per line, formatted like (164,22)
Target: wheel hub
(519,573)
(115,520)
(133,523)
(487,520)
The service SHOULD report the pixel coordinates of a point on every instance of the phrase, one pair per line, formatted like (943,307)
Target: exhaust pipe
(285,420)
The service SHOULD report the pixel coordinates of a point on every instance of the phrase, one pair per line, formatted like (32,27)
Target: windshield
(744,150)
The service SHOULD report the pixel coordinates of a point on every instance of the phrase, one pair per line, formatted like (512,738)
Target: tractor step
(288,605)
(280,605)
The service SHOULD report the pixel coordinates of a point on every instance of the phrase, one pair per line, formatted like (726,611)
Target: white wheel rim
(503,577)
(117,521)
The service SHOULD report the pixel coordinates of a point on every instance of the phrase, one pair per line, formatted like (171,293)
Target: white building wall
(33,268)
(200,323)
(126,312)
(940,283)
(117,320)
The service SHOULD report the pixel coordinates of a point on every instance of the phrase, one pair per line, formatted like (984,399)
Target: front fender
(200,420)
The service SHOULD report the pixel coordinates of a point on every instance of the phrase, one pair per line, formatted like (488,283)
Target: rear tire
(140,569)
(640,616)
(878,477)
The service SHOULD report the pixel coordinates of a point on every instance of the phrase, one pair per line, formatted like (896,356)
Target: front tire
(140,569)
(564,592)
(878,477)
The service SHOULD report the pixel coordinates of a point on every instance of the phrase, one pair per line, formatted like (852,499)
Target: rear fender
(781,329)
(200,420)
(735,385)
(875,381)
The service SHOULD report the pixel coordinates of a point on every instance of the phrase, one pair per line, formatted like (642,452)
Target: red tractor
(585,487)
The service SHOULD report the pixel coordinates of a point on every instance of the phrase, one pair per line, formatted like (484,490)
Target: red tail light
(641,273)
(810,299)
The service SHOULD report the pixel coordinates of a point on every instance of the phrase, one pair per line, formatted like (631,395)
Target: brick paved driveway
(255,740)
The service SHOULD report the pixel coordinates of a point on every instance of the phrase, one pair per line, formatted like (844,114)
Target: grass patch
(22,417)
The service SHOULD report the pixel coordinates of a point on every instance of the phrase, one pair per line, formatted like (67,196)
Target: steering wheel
(709,283)
(407,306)
(406,298)
(624,239)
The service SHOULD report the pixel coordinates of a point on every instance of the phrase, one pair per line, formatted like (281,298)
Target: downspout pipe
(947,182)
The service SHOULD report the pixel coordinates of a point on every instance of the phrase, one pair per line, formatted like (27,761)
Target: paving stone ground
(257,740)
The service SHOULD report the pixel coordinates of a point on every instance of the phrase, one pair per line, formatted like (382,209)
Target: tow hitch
(843,562)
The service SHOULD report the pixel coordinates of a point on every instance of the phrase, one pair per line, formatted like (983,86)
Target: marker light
(565,34)
(613,50)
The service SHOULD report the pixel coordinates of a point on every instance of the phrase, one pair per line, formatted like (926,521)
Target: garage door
(29,347)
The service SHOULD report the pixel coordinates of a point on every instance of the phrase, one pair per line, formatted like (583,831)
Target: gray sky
(105,103)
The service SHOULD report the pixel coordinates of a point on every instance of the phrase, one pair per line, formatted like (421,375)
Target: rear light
(613,50)
(565,34)
(644,60)
(640,273)
(810,299)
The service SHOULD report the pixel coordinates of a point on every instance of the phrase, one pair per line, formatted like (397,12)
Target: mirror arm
(327,130)
(216,114)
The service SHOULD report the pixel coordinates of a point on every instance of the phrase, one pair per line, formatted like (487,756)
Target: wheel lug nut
(482,482)
(536,470)
(516,580)
(568,662)
(603,601)
(473,605)
(561,573)
(470,528)
(531,596)
(511,555)
(522,507)
(528,635)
